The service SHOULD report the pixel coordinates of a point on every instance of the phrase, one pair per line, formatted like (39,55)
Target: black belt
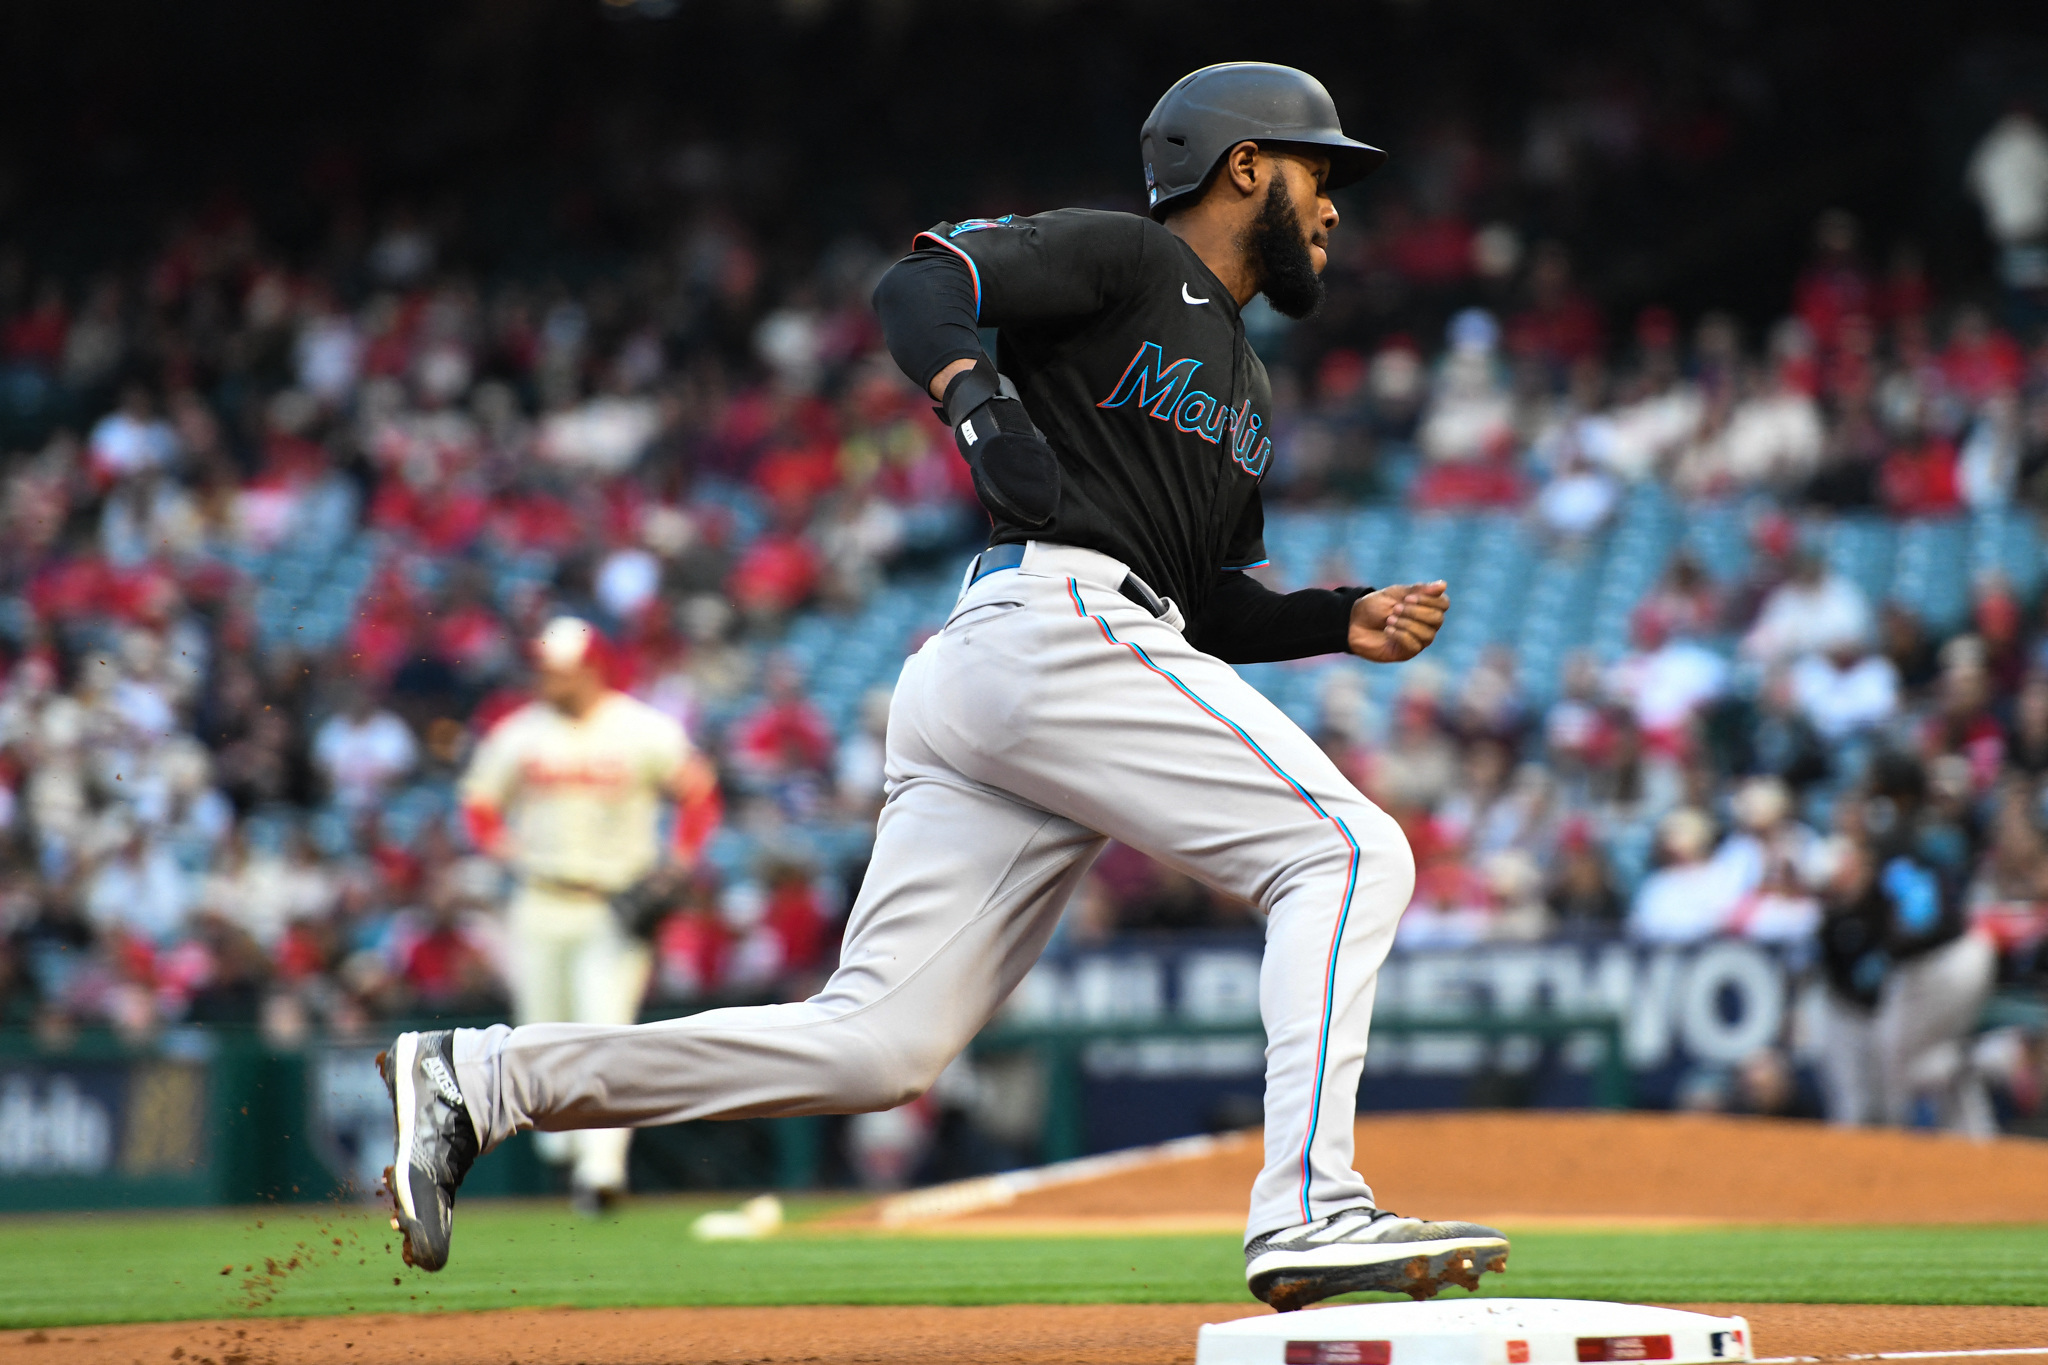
(996,558)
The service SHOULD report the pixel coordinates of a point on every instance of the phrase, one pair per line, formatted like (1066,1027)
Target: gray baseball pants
(1049,713)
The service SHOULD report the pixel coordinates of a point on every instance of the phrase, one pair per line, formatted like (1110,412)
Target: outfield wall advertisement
(1715,1002)
(137,1127)
(1162,1038)
(1681,1009)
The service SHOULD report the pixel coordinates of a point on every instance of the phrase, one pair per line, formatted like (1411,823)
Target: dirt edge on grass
(1526,1166)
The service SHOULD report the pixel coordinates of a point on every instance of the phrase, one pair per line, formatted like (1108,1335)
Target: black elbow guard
(1015,472)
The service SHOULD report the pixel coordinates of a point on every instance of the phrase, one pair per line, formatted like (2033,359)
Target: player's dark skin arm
(1393,623)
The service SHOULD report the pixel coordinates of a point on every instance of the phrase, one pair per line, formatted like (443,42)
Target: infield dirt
(1040,1334)
(1585,1168)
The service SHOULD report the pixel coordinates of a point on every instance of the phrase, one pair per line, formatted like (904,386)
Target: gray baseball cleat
(436,1143)
(1368,1249)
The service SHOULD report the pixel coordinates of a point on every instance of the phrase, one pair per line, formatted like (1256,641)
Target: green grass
(86,1268)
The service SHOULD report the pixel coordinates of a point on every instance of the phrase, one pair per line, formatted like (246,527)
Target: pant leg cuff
(478,1058)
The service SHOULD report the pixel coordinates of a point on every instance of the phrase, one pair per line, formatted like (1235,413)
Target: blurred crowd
(226,794)
(277,530)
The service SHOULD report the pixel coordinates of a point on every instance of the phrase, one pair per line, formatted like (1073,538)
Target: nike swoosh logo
(1186,297)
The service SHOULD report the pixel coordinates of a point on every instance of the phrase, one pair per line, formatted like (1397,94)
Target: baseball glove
(642,907)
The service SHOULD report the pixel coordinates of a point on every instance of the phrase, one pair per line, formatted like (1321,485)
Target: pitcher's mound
(1524,1167)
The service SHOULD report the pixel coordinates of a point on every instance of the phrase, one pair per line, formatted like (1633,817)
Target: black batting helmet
(1206,113)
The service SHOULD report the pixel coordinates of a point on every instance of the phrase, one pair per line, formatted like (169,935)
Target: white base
(1468,1331)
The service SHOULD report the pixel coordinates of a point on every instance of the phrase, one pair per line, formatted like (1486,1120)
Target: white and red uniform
(574,804)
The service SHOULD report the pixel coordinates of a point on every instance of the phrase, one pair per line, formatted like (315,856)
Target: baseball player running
(568,790)
(1080,690)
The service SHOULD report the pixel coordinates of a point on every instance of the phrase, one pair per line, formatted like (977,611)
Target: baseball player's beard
(1279,251)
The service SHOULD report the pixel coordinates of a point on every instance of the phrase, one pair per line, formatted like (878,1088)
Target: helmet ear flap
(1200,189)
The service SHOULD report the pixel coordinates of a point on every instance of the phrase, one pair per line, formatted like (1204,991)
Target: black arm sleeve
(1003,272)
(1245,622)
(926,304)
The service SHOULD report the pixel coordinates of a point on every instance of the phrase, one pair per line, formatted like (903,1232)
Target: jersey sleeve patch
(981,224)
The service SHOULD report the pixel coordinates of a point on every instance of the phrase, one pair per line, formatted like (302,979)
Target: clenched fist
(1398,623)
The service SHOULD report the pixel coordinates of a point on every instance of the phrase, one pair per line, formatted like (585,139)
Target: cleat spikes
(1369,1250)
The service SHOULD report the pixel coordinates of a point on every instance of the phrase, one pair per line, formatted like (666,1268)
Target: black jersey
(1131,357)
(1129,354)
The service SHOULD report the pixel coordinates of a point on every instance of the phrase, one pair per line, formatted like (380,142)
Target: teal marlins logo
(1166,392)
